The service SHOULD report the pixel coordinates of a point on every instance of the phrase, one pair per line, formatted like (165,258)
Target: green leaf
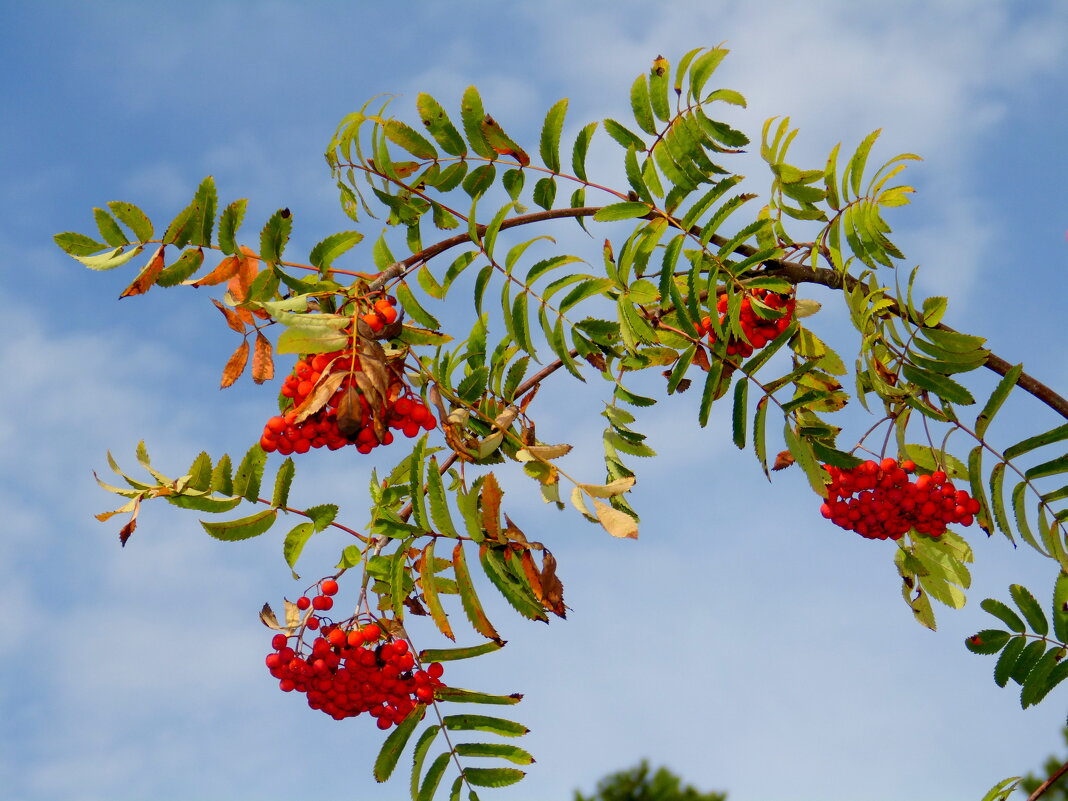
(1031,654)
(855,168)
(187,264)
(109,260)
(1002,790)
(412,307)
(451,654)
(582,145)
(429,787)
(545,192)
(294,542)
(621,211)
(945,388)
(75,244)
(1051,468)
(1030,608)
(229,221)
(439,508)
(317,339)
(204,503)
(738,428)
(133,218)
(419,753)
(493,777)
(550,135)
(625,137)
(394,744)
(200,473)
(516,591)
(109,229)
(987,641)
(997,499)
(439,125)
(203,218)
(221,480)
(415,484)
(802,451)
(243,528)
(1060,607)
(1036,685)
(407,138)
(1004,614)
(512,753)
(468,598)
(249,473)
(282,483)
(460,696)
(500,726)
(472,113)
(1007,661)
(324,253)
(1039,440)
(641,105)
(275,236)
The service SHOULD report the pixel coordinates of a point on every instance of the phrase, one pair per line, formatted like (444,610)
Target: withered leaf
(886,375)
(523,404)
(684,384)
(233,319)
(506,418)
(783,460)
(292,613)
(235,366)
(615,522)
(543,453)
(512,531)
(414,606)
(806,307)
(491,506)
(349,413)
(322,392)
(530,570)
(435,399)
(147,277)
(224,271)
(131,524)
(268,618)
(374,395)
(262,360)
(394,628)
(700,358)
(597,361)
(551,586)
(373,362)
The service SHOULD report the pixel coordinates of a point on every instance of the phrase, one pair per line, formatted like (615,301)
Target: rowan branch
(1048,783)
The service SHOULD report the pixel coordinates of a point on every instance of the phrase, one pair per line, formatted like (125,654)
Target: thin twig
(1048,783)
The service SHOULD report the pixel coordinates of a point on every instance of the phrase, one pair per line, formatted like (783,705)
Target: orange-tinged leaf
(468,597)
(323,391)
(235,366)
(232,318)
(224,271)
(615,522)
(491,506)
(131,524)
(262,360)
(247,269)
(501,142)
(430,593)
(147,277)
(783,460)
(530,570)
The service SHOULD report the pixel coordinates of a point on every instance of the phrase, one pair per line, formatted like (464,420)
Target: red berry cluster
(348,672)
(381,314)
(320,603)
(879,501)
(757,330)
(284,434)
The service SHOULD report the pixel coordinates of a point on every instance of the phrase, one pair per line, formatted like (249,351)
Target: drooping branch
(795,272)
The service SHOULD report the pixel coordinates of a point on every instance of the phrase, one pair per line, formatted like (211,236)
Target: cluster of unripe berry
(879,501)
(758,331)
(285,435)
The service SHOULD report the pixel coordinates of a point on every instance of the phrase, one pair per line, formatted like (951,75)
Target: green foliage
(640,783)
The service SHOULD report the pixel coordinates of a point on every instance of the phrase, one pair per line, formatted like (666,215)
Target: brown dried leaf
(551,586)
(527,434)
(596,361)
(268,618)
(530,570)
(322,392)
(615,522)
(394,628)
(292,614)
(131,524)
(350,413)
(373,362)
(235,366)
(491,506)
(224,271)
(700,358)
(233,319)
(506,418)
(683,385)
(147,277)
(435,399)
(523,404)
(543,453)
(414,606)
(512,531)
(262,360)
(887,376)
(374,395)
(783,460)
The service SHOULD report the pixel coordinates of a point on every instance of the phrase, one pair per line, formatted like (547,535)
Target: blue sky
(742,641)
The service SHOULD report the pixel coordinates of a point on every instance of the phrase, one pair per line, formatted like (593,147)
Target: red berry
(328,587)
(303,602)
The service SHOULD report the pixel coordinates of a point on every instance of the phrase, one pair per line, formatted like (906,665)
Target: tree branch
(1048,783)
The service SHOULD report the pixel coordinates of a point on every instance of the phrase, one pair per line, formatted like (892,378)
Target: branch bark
(1048,783)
